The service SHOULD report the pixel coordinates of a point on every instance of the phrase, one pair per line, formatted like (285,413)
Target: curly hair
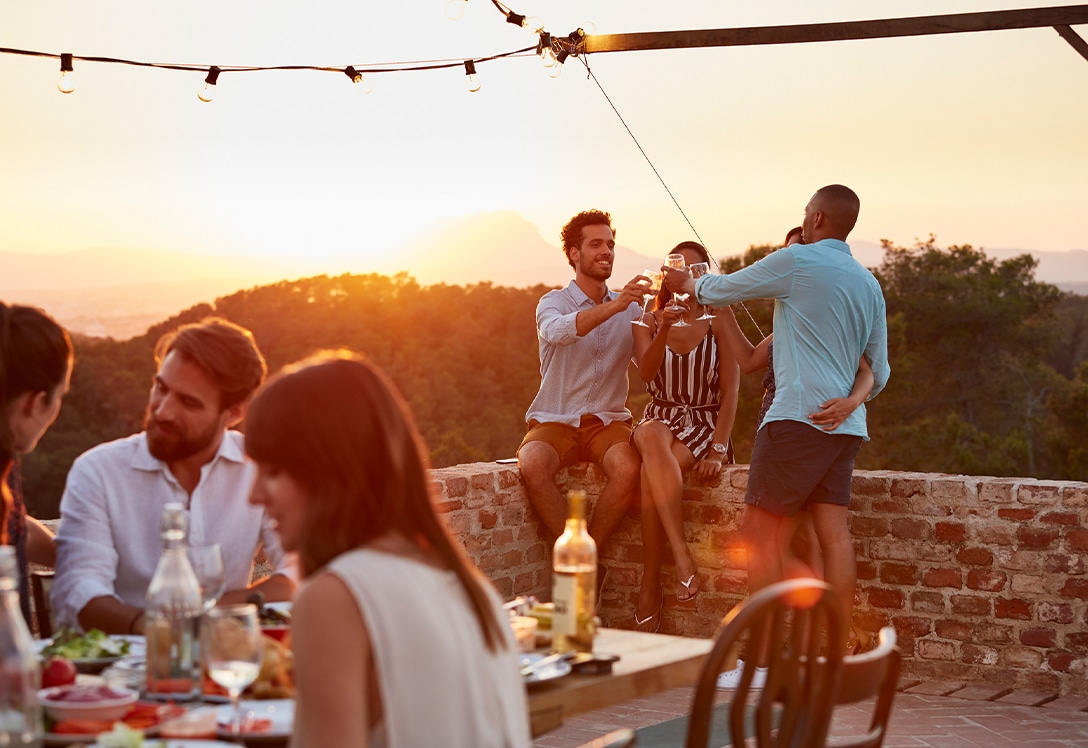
(572,232)
(225,351)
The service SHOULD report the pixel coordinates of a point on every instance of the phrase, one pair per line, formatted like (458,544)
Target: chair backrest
(40,582)
(874,673)
(794,629)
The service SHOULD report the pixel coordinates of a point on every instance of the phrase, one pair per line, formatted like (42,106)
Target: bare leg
(759,530)
(539,462)
(653,554)
(840,563)
(622,466)
(663,462)
(800,549)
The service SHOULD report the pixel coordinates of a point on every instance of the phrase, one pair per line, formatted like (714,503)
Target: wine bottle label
(565,596)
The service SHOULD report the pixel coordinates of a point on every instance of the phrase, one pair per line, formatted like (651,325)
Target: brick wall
(983,578)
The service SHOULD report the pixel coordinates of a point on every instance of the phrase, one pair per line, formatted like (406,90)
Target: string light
(207,91)
(557,68)
(66,83)
(364,85)
(473,79)
(545,49)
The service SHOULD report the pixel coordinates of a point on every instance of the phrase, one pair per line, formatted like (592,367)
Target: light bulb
(66,83)
(534,24)
(473,79)
(362,84)
(455,9)
(544,49)
(207,91)
(557,68)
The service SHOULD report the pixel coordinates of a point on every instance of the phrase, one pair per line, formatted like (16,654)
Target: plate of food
(537,667)
(66,729)
(93,651)
(272,720)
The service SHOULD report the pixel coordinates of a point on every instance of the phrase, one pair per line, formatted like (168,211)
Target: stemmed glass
(233,648)
(698,270)
(678,262)
(207,563)
(649,294)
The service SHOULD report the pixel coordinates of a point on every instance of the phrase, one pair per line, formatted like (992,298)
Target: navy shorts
(794,465)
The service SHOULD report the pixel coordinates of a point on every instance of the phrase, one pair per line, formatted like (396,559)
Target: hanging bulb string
(383,67)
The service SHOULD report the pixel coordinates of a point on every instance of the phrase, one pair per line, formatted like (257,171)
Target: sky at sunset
(978,138)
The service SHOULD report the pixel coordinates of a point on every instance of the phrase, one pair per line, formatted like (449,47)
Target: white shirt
(109,542)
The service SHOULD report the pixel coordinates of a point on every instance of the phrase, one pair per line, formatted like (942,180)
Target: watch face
(719,448)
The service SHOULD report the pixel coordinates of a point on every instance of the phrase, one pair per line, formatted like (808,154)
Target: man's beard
(169,446)
(590,269)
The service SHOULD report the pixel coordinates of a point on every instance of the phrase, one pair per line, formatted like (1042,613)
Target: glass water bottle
(574,582)
(172,616)
(20,670)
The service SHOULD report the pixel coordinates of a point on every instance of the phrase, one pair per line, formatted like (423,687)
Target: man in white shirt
(108,540)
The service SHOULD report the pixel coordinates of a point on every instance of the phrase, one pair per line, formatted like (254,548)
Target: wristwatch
(719,448)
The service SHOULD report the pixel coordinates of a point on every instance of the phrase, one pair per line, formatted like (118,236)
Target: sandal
(687,587)
(858,641)
(651,623)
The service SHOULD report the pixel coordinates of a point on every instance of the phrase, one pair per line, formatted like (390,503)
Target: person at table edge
(108,539)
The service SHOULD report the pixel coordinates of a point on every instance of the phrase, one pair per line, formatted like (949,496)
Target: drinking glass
(233,648)
(698,270)
(649,294)
(678,262)
(207,563)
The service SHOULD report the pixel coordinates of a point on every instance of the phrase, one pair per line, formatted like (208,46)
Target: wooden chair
(40,582)
(874,673)
(793,628)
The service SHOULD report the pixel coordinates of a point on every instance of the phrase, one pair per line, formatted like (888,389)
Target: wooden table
(648,663)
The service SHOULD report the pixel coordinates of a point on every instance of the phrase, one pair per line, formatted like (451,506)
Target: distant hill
(119,292)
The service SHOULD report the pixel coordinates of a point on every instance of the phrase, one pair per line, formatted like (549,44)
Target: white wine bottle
(574,582)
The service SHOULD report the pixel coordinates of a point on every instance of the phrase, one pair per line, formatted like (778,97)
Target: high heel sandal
(858,641)
(687,586)
(652,622)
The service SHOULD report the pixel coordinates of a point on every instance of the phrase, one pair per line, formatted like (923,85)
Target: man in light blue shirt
(829,311)
(580,411)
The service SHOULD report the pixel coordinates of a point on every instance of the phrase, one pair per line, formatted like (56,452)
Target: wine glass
(678,262)
(648,294)
(698,270)
(233,648)
(207,563)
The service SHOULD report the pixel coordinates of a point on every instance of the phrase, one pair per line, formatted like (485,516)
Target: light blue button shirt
(828,310)
(581,375)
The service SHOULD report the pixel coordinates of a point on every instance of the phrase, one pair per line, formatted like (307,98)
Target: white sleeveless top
(439,684)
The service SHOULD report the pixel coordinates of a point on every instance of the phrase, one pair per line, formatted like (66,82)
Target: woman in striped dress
(693,380)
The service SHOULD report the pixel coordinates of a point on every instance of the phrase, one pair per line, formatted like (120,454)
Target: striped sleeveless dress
(686,396)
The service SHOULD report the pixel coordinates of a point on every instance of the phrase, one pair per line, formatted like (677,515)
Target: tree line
(989,366)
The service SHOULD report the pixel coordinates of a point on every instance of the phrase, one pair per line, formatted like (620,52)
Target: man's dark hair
(572,232)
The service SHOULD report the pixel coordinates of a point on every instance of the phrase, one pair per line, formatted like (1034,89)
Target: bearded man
(580,411)
(109,541)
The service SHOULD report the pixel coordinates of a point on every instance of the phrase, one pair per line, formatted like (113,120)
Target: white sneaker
(730,679)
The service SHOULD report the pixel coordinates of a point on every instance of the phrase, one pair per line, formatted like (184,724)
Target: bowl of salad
(91,651)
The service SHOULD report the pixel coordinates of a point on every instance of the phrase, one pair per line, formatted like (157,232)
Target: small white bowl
(105,708)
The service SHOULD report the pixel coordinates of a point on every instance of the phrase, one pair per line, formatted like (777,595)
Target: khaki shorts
(587,442)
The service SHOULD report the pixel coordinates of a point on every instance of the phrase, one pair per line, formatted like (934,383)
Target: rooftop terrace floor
(941,715)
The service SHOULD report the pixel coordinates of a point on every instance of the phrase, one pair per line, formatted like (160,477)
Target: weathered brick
(1055,612)
(1022,657)
(976,655)
(1018,514)
(907,488)
(931,649)
(1039,492)
(487,519)
(943,578)
(975,556)
(1028,584)
(952,532)
(1036,537)
(958,630)
(869,527)
(1077,641)
(1069,519)
(456,486)
(970,605)
(1077,588)
(1076,540)
(1062,564)
(1038,637)
(910,529)
(985,580)
(995,533)
(927,602)
(1024,561)
(1075,496)
(899,574)
(912,627)
(997,490)
(891,550)
(993,633)
(953,490)
(890,506)
(888,599)
(1016,609)
(1060,660)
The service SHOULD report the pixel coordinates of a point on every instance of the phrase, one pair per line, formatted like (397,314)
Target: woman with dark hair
(35,368)
(398,638)
(693,382)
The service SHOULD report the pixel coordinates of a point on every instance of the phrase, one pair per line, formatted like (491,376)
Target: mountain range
(120,292)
